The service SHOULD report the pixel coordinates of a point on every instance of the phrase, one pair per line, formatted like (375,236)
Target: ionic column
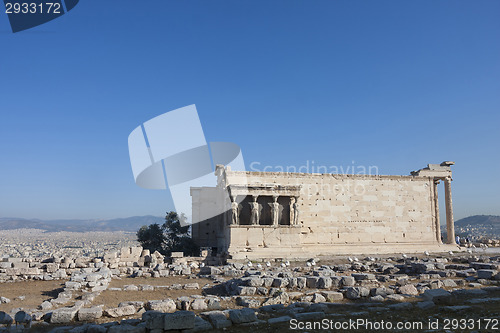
(450,227)
(436,211)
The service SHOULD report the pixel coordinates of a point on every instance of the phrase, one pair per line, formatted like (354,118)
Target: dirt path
(35,292)
(111,298)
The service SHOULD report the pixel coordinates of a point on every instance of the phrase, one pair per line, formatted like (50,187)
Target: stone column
(437,221)
(450,227)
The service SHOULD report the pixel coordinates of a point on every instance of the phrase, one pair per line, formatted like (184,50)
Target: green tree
(151,237)
(169,237)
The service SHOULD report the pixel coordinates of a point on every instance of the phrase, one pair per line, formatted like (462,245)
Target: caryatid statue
(292,210)
(255,217)
(296,211)
(235,209)
(275,211)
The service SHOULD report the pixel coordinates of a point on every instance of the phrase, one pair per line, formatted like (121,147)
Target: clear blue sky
(396,84)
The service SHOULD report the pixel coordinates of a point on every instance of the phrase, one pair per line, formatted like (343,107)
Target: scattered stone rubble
(168,319)
(130,261)
(487,241)
(269,293)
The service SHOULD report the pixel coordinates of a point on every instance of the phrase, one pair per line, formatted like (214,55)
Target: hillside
(484,223)
(475,220)
(131,224)
(478,226)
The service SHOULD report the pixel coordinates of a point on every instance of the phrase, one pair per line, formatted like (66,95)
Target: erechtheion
(301,215)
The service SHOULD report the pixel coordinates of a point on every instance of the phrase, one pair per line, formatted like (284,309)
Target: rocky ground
(135,291)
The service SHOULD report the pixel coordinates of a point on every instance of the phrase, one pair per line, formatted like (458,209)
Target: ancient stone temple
(300,215)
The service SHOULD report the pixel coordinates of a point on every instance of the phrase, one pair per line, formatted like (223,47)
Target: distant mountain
(489,220)
(478,226)
(132,224)
(121,224)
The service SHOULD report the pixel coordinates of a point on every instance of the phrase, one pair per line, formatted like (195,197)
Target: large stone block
(199,304)
(126,328)
(268,282)
(136,304)
(347,281)
(242,316)
(70,285)
(209,270)
(239,237)
(363,276)
(166,305)
(301,282)
(272,237)
(63,315)
(356,292)
(280,282)
(200,325)
(309,316)
(255,237)
(333,296)
(408,289)
(5,264)
(51,267)
(90,314)
(290,237)
(324,282)
(255,282)
(96,329)
(154,320)
(218,319)
(242,290)
(23,265)
(179,320)
(127,310)
(486,273)
(312,282)
(438,296)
